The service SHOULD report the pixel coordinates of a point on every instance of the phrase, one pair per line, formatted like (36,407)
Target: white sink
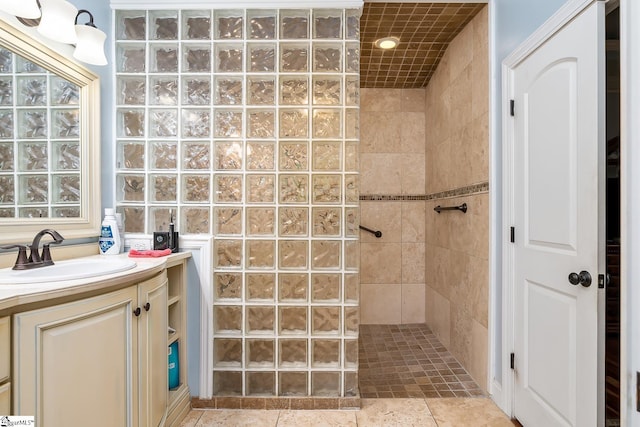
(80,268)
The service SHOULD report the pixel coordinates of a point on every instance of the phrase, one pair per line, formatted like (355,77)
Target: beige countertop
(20,297)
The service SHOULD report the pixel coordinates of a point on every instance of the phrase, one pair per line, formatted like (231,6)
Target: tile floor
(437,412)
(408,361)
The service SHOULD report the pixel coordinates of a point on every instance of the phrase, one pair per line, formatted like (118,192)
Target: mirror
(49,141)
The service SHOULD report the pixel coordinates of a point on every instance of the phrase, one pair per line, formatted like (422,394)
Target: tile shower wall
(457,158)
(393,161)
(244,123)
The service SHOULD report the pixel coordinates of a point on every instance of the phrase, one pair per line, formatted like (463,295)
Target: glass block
(293,353)
(261,90)
(228,352)
(131,58)
(352,91)
(164,155)
(227,318)
(325,384)
(196,25)
(228,253)
(227,383)
(196,90)
(195,220)
(62,92)
(325,287)
(351,384)
(292,287)
(351,353)
(261,124)
(6,157)
(352,188)
(351,255)
(228,285)
(164,58)
(294,24)
(261,58)
(353,58)
(228,155)
(294,123)
(228,91)
(326,189)
(159,218)
(196,59)
(33,213)
(261,188)
(351,321)
(164,25)
(261,383)
(327,58)
(228,221)
(327,24)
(164,188)
(353,24)
(228,58)
(260,287)
(133,219)
(325,320)
(351,157)
(164,90)
(294,188)
(7,189)
(260,254)
(196,155)
(228,123)
(131,91)
(130,188)
(294,90)
(6,91)
(293,254)
(260,156)
(261,353)
(325,254)
(327,90)
(131,25)
(261,319)
(294,58)
(351,288)
(6,61)
(66,189)
(229,24)
(130,123)
(326,124)
(292,384)
(7,212)
(65,212)
(34,124)
(228,188)
(293,221)
(327,155)
(163,123)
(326,221)
(32,91)
(195,188)
(262,24)
(33,157)
(325,353)
(292,320)
(23,65)
(294,156)
(196,124)
(352,221)
(6,124)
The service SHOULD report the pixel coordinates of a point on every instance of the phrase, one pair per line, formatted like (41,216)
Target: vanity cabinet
(5,365)
(99,361)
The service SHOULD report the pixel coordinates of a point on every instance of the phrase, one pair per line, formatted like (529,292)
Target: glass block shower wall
(244,125)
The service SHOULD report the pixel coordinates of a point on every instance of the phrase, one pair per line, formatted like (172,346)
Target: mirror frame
(21,230)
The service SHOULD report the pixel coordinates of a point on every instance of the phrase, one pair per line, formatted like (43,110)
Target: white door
(558,132)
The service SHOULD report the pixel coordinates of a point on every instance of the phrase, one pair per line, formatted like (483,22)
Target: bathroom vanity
(93,351)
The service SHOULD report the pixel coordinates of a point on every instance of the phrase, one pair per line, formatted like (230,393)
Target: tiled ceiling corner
(425,31)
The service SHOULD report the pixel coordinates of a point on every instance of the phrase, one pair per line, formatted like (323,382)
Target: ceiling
(425,31)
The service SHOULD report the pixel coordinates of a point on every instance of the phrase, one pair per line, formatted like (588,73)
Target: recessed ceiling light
(387,42)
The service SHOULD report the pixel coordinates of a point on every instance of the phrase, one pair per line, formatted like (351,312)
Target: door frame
(506,389)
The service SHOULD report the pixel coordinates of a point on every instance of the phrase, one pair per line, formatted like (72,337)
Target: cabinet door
(152,338)
(73,362)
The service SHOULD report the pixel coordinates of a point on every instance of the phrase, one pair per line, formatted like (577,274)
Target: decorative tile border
(482,187)
(240,402)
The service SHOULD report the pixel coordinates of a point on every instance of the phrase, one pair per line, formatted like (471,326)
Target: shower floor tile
(402,361)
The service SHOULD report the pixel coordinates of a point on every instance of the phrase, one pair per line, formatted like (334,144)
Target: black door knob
(147,306)
(137,311)
(583,278)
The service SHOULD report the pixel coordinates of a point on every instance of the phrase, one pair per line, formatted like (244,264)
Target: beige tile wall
(392,163)
(457,245)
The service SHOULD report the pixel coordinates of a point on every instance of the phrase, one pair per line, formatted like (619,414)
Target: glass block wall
(244,124)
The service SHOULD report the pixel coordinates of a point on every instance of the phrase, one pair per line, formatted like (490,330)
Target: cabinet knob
(147,306)
(137,311)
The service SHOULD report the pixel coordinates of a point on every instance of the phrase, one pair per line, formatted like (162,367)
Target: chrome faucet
(36,258)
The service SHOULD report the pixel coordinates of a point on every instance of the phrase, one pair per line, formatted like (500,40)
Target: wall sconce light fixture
(29,9)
